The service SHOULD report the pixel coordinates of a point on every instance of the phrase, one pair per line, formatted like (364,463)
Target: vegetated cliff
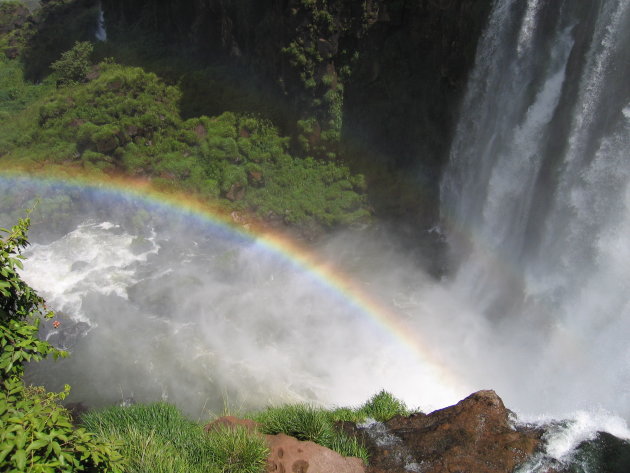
(379,80)
(376,83)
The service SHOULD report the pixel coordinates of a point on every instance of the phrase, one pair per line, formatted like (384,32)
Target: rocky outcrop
(475,435)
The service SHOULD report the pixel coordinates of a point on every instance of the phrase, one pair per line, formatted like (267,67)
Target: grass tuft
(306,422)
(382,407)
(158,438)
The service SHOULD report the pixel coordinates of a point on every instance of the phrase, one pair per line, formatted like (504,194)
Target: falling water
(101,32)
(536,200)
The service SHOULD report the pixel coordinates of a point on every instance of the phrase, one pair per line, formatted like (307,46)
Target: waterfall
(101,32)
(536,196)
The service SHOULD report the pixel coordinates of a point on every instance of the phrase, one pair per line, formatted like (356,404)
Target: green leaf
(36,445)
(56,448)
(5,452)
(20,459)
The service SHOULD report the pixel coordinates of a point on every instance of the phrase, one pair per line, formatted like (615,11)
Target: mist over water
(156,305)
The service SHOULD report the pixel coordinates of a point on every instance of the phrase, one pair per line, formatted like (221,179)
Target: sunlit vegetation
(157,438)
(115,119)
(36,434)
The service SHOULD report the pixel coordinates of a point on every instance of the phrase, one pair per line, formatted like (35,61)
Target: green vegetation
(37,434)
(381,407)
(318,425)
(74,64)
(306,422)
(127,121)
(157,438)
(15,92)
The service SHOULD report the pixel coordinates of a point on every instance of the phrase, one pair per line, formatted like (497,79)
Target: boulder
(475,435)
(289,455)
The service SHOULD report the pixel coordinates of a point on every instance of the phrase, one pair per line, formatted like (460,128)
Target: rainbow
(383,318)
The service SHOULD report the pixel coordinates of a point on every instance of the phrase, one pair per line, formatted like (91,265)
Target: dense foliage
(36,433)
(73,65)
(114,119)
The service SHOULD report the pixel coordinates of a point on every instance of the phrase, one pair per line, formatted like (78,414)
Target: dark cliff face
(379,80)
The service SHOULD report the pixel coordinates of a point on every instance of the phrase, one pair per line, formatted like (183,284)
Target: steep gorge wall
(378,79)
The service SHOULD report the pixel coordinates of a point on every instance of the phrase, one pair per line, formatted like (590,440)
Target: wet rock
(79,266)
(605,454)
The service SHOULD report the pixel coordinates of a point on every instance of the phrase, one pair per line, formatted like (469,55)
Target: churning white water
(203,318)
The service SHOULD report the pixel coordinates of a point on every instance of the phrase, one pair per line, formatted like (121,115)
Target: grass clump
(382,407)
(306,422)
(158,438)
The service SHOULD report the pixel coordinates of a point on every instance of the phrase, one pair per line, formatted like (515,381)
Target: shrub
(37,433)
(74,64)
(20,308)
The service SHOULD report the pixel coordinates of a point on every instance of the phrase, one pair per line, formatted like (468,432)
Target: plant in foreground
(158,438)
(36,433)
